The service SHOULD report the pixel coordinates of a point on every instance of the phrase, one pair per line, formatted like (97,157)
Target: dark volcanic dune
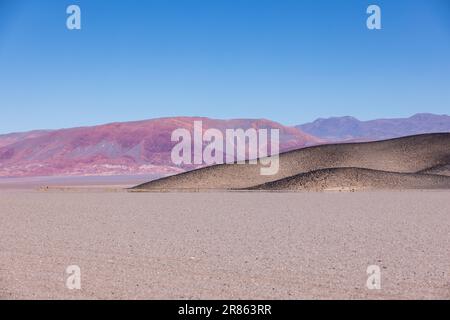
(356,179)
(440,170)
(403,155)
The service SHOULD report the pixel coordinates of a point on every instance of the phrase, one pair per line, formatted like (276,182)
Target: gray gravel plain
(224,245)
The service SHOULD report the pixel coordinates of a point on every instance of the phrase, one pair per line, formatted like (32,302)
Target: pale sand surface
(75,182)
(224,245)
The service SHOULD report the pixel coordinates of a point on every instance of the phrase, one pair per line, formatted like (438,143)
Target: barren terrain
(229,245)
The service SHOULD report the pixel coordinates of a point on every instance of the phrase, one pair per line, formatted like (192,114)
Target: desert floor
(224,245)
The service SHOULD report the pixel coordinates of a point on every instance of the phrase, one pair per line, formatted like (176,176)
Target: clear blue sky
(287,60)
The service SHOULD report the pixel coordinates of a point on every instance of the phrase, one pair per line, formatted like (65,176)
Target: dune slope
(402,155)
(356,179)
(443,170)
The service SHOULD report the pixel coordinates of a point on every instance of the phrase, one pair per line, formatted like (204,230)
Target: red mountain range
(144,147)
(117,148)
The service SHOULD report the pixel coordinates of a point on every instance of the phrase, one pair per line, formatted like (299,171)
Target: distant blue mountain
(350,128)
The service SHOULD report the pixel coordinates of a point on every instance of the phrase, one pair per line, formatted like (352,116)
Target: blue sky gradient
(287,60)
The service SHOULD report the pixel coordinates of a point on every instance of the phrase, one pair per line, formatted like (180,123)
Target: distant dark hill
(349,128)
(348,179)
(403,155)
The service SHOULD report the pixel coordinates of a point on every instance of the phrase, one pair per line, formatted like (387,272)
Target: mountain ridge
(144,146)
(350,128)
(118,148)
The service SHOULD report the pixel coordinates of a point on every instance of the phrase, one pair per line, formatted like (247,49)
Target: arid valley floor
(230,245)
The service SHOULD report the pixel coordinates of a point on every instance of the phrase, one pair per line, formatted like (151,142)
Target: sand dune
(443,170)
(402,155)
(356,179)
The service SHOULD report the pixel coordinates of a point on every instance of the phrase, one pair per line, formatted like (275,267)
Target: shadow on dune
(414,162)
(352,179)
